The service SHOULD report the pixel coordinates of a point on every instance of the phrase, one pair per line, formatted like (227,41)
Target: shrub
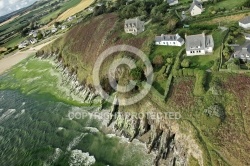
(170,61)
(185,63)
(190,72)
(177,64)
(158,61)
(184,72)
(215,110)
(180,73)
(136,74)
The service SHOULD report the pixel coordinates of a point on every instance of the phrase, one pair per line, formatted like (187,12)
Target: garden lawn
(165,51)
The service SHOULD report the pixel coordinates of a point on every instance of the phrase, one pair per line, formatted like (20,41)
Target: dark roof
(242,52)
(245,20)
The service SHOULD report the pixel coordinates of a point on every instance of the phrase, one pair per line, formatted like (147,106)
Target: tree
(136,74)
(56,24)
(185,63)
(171,25)
(39,36)
(158,61)
(170,61)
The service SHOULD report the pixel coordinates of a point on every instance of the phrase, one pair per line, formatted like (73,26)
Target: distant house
(64,27)
(245,22)
(134,26)
(71,18)
(53,30)
(47,32)
(172,2)
(99,4)
(23,44)
(33,41)
(247,36)
(169,40)
(199,44)
(33,33)
(196,8)
(91,9)
(242,52)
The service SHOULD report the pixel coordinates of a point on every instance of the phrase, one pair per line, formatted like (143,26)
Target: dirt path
(9,61)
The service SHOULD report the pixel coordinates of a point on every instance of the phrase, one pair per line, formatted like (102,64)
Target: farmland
(73,10)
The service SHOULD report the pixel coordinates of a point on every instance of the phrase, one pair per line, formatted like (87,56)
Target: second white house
(169,40)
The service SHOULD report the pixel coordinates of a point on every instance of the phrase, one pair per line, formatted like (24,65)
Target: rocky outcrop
(85,93)
(161,136)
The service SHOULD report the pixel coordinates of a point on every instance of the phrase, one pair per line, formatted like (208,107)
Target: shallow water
(35,129)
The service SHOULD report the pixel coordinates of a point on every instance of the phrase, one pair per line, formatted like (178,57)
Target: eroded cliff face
(160,131)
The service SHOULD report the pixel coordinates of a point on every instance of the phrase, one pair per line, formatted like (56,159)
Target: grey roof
(199,42)
(247,35)
(245,20)
(133,21)
(195,3)
(242,51)
(168,37)
(209,41)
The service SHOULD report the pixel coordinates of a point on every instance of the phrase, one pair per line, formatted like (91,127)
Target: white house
(53,30)
(245,22)
(64,27)
(33,41)
(247,36)
(200,44)
(71,18)
(196,8)
(134,26)
(33,33)
(172,2)
(169,40)
(23,44)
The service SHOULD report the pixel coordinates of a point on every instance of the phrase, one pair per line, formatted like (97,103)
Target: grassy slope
(81,47)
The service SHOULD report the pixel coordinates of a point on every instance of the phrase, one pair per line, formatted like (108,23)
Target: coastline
(9,61)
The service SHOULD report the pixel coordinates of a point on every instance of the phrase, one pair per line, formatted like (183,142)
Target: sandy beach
(9,61)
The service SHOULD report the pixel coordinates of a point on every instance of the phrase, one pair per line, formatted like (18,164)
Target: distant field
(14,41)
(9,20)
(65,7)
(224,19)
(81,6)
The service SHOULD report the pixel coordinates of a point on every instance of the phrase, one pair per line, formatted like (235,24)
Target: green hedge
(199,89)
(168,84)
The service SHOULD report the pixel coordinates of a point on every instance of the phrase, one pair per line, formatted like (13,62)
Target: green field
(14,41)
